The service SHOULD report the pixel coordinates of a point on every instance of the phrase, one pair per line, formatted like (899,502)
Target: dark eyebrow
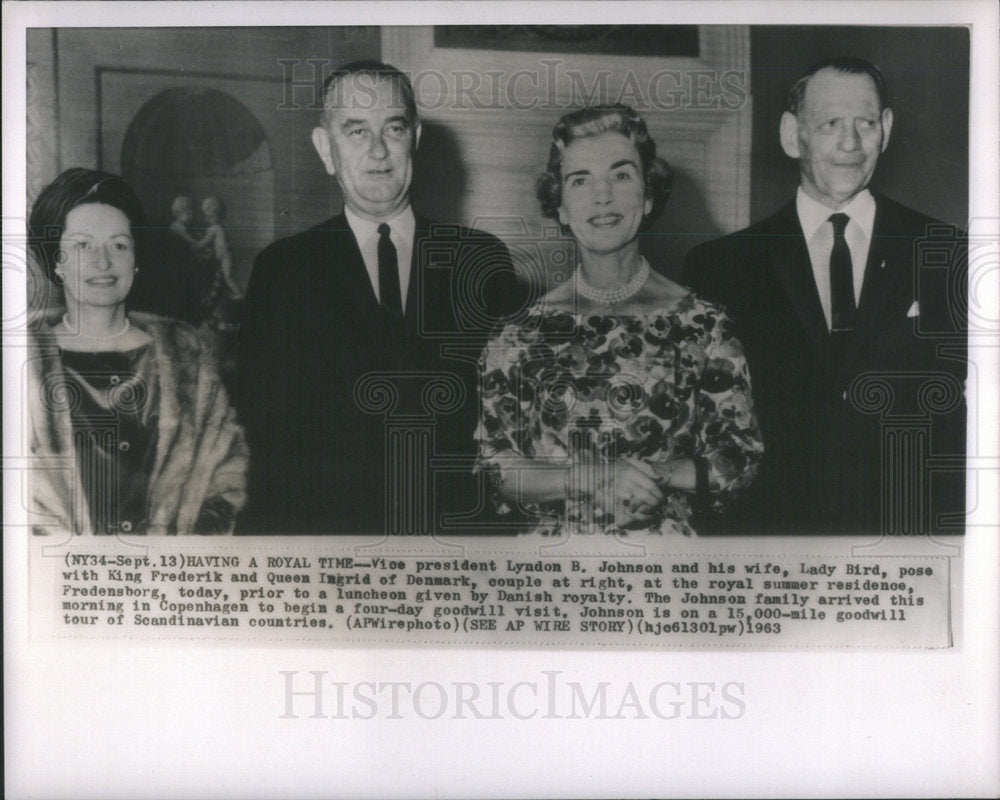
(624,162)
(350,123)
(569,175)
(71,232)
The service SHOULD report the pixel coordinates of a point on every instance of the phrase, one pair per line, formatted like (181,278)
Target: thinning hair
(375,71)
(593,121)
(846,65)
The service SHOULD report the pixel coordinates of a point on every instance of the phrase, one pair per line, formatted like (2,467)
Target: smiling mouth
(100,282)
(605,220)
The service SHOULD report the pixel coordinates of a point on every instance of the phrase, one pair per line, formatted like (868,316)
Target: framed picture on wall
(647,40)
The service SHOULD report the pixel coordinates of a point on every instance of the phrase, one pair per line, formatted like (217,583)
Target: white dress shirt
(814,217)
(402,229)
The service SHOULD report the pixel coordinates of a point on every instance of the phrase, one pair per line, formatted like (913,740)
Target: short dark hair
(76,187)
(593,121)
(848,65)
(378,71)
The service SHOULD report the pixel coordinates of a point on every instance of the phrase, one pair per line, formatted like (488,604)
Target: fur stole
(201,454)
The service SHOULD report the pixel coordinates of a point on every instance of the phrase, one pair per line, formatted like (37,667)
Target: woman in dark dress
(131,429)
(622,398)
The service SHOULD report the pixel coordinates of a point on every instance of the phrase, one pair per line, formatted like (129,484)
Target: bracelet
(665,477)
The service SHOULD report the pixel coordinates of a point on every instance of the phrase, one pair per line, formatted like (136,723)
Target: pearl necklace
(118,335)
(610,297)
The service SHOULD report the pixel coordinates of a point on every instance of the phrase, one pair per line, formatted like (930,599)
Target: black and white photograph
(508,381)
(478,339)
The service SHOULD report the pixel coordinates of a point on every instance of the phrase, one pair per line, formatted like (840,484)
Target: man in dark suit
(851,310)
(361,335)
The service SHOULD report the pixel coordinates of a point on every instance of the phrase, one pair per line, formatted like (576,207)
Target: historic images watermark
(551,86)
(317,694)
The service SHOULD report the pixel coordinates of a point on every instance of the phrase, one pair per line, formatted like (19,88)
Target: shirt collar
(403,225)
(812,213)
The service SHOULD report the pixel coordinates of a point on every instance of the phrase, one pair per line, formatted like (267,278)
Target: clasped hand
(630,486)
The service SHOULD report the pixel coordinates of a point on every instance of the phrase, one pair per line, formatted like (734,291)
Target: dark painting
(632,40)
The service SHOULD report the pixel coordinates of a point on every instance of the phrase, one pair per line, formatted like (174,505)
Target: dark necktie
(841,278)
(388,272)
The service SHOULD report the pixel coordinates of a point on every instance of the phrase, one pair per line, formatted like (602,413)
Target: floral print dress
(660,386)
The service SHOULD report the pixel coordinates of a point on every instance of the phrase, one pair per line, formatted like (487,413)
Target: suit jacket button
(843,396)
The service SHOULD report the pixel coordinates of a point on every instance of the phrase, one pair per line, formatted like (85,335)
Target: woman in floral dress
(621,401)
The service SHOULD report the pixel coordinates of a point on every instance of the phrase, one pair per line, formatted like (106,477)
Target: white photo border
(160,720)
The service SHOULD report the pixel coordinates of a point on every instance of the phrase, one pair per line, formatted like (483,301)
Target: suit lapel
(414,291)
(888,262)
(347,265)
(429,289)
(790,259)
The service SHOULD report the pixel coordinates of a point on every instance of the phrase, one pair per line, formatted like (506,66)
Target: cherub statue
(183,211)
(215,240)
